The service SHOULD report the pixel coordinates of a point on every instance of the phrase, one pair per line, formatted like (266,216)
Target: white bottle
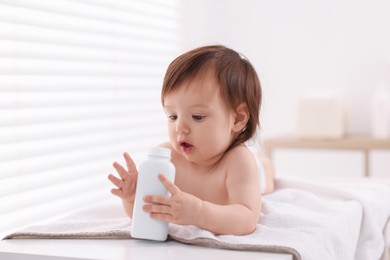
(157,162)
(380,123)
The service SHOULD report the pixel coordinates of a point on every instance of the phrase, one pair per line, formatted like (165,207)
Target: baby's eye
(198,117)
(172,117)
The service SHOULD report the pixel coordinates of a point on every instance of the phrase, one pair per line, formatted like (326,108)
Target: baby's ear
(241,117)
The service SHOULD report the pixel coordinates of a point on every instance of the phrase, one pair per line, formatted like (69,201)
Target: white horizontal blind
(79,84)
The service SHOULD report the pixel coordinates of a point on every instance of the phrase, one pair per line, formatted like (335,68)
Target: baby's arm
(238,217)
(242,214)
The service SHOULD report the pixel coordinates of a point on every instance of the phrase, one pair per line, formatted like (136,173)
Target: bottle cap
(160,151)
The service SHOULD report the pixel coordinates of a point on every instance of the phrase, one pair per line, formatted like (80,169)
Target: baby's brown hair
(238,80)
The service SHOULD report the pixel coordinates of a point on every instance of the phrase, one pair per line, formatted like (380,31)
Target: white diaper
(262,178)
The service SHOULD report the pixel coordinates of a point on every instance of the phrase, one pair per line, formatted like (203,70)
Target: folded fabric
(102,220)
(305,219)
(374,199)
(316,228)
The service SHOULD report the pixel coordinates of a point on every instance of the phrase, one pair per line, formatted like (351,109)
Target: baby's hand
(127,183)
(180,208)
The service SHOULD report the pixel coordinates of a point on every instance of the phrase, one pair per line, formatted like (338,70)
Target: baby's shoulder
(240,156)
(239,151)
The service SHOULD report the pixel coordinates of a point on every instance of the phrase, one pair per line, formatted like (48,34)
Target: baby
(212,97)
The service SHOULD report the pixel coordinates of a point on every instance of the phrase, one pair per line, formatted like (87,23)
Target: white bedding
(309,220)
(373,198)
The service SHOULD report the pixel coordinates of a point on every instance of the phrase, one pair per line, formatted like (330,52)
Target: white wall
(299,47)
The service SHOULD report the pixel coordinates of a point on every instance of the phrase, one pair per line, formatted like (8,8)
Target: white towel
(316,228)
(306,219)
(374,199)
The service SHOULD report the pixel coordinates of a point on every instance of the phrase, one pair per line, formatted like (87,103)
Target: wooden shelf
(363,143)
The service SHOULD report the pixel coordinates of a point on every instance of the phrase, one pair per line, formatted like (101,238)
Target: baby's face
(199,123)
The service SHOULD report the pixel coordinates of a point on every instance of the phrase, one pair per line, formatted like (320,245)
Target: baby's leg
(269,172)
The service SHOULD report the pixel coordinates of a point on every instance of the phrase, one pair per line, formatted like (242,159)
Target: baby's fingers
(117,192)
(130,163)
(171,187)
(120,170)
(162,200)
(117,182)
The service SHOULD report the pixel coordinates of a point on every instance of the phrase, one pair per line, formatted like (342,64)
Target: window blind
(79,84)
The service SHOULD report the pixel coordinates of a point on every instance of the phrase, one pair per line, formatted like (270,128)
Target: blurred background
(80,84)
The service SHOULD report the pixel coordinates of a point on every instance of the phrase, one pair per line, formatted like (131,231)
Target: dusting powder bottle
(158,162)
(380,123)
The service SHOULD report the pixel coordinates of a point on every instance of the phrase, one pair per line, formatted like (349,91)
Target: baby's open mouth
(186,147)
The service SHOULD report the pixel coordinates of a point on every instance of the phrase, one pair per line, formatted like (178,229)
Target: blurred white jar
(321,115)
